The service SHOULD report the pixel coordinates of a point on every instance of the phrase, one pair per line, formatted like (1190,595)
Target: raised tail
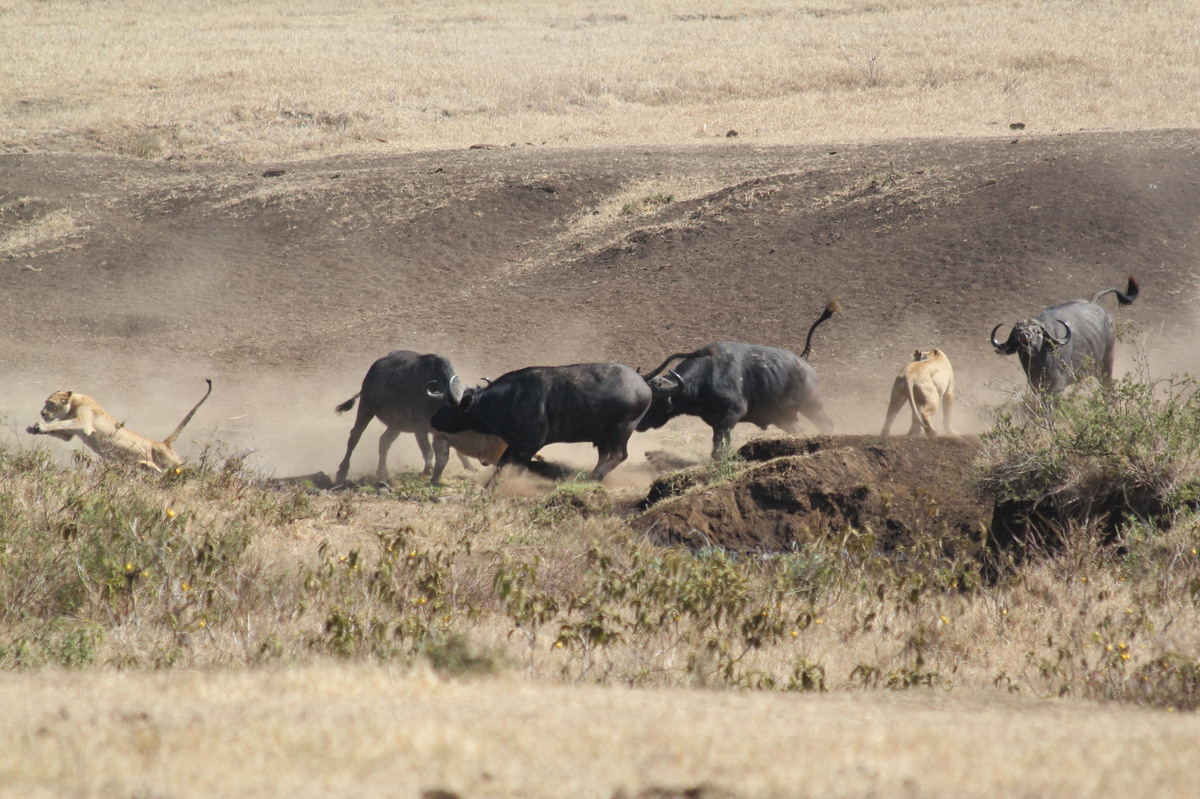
(831,307)
(1125,297)
(700,353)
(347,405)
(170,440)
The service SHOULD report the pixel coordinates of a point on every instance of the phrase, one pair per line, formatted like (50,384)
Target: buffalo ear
(467,401)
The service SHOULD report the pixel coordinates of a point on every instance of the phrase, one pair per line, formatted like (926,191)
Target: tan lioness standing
(68,414)
(925,382)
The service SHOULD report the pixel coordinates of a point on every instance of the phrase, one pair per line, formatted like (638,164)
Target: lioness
(68,414)
(924,383)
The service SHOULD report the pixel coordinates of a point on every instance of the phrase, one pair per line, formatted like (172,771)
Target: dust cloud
(285,424)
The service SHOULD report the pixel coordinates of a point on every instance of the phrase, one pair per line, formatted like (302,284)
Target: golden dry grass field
(274,194)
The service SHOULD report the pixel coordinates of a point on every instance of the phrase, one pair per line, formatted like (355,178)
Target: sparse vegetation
(650,202)
(1103,454)
(103,567)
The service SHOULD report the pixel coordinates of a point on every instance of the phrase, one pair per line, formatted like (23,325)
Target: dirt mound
(798,488)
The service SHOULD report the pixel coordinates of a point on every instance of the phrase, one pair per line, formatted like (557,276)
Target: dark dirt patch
(797,489)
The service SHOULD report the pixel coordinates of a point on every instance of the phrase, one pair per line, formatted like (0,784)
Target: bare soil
(284,281)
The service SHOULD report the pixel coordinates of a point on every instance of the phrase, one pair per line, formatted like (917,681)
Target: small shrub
(650,202)
(1104,452)
(452,654)
(569,500)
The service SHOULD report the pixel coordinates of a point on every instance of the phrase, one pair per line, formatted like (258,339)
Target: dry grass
(366,731)
(204,619)
(272,80)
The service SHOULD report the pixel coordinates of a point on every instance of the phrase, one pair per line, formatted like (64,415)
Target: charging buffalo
(1067,342)
(597,403)
(395,391)
(730,382)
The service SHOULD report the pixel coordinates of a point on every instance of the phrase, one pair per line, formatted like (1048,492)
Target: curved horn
(700,353)
(1058,342)
(456,390)
(431,390)
(1007,347)
(663,387)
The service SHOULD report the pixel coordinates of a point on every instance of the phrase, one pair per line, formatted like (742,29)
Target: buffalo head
(1030,336)
(666,386)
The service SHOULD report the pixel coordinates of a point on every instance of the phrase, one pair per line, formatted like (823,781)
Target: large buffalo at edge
(730,382)
(396,390)
(1066,342)
(596,403)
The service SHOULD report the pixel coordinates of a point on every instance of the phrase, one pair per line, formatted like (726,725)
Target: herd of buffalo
(508,420)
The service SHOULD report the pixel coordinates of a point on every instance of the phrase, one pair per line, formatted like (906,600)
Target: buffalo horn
(1058,342)
(662,386)
(456,390)
(678,385)
(1006,348)
(431,390)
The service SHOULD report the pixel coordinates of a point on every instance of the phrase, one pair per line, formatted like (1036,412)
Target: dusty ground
(132,280)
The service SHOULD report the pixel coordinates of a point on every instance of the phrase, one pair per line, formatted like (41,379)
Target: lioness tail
(170,440)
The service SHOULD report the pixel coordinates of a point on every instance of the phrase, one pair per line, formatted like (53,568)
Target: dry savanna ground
(272,195)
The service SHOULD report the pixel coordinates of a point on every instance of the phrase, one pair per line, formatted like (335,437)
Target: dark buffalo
(730,382)
(396,391)
(597,403)
(1066,342)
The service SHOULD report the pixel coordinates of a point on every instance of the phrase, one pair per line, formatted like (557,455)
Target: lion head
(57,406)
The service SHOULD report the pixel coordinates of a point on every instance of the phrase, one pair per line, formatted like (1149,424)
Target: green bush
(1102,452)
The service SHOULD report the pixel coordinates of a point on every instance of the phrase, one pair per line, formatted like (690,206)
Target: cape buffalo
(598,403)
(395,390)
(1066,342)
(730,382)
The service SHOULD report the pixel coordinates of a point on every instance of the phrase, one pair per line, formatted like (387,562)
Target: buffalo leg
(441,456)
(512,456)
(815,413)
(610,458)
(365,415)
(790,426)
(385,443)
(721,436)
(608,461)
(426,452)
(723,428)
